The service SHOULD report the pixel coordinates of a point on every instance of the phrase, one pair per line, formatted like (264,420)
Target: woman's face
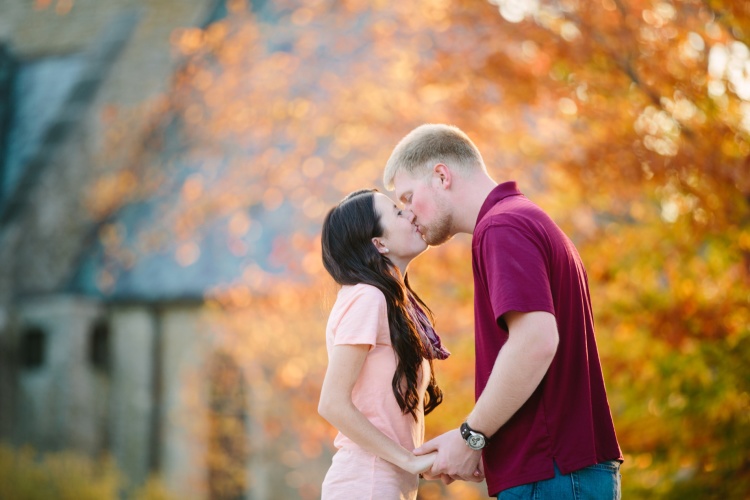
(400,236)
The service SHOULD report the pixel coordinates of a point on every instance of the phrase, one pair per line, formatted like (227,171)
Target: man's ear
(442,175)
(379,245)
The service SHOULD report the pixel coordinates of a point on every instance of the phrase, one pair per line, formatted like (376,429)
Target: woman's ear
(379,245)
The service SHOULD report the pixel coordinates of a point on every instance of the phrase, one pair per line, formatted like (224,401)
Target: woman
(377,400)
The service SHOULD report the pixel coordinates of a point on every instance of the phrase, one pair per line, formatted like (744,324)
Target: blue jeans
(596,482)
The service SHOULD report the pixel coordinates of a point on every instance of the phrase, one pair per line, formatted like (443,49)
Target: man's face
(432,215)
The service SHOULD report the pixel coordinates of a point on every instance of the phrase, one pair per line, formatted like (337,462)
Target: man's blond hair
(429,144)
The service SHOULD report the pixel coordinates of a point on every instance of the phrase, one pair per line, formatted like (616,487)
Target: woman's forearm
(345,417)
(336,406)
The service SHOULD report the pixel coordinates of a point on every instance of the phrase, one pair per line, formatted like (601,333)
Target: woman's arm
(336,406)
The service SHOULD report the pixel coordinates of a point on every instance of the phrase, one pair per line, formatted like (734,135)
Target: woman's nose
(409,215)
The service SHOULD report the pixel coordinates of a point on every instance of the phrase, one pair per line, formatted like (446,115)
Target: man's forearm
(520,367)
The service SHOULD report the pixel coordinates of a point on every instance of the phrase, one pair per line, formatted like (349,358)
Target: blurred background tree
(629,121)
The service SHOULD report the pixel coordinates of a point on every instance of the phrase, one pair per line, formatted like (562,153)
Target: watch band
(474,439)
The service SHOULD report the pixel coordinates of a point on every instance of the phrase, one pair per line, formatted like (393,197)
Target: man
(541,419)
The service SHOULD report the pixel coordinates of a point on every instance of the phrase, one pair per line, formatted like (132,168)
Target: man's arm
(522,363)
(520,366)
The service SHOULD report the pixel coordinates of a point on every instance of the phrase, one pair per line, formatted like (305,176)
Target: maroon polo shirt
(523,262)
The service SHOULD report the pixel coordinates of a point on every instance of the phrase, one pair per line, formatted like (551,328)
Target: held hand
(454,459)
(419,464)
(444,478)
(425,448)
(480,470)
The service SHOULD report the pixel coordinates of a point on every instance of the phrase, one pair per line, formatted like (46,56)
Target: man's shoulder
(519,222)
(518,214)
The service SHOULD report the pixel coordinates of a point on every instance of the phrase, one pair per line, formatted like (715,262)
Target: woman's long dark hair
(350,258)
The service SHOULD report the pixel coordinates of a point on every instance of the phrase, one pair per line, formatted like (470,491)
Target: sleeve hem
(525,308)
(370,344)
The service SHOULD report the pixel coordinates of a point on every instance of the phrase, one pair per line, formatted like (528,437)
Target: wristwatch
(474,439)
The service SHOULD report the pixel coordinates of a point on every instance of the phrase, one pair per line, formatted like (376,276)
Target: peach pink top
(359,316)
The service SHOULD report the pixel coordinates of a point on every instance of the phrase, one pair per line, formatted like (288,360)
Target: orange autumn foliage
(628,121)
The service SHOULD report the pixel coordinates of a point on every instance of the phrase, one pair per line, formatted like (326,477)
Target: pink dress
(359,316)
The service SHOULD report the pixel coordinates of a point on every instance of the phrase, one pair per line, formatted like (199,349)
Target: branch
(723,17)
(625,64)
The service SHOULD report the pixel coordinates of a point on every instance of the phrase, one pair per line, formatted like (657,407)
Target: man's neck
(470,200)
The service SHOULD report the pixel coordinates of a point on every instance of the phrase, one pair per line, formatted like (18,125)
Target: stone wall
(124,48)
(131,404)
(145,402)
(62,399)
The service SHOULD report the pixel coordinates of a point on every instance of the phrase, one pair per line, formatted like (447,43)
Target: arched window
(33,347)
(99,345)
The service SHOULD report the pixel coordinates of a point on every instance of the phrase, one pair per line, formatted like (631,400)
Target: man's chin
(436,240)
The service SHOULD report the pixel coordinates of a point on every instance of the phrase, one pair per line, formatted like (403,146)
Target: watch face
(475,442)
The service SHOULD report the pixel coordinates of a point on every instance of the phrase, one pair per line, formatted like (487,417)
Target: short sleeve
(514,269)
(362,312)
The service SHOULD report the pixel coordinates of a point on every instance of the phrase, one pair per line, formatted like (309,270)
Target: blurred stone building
(79,369)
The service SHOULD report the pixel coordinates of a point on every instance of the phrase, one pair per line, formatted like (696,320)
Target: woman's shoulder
(360,290)
(357,305)
(361,293)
